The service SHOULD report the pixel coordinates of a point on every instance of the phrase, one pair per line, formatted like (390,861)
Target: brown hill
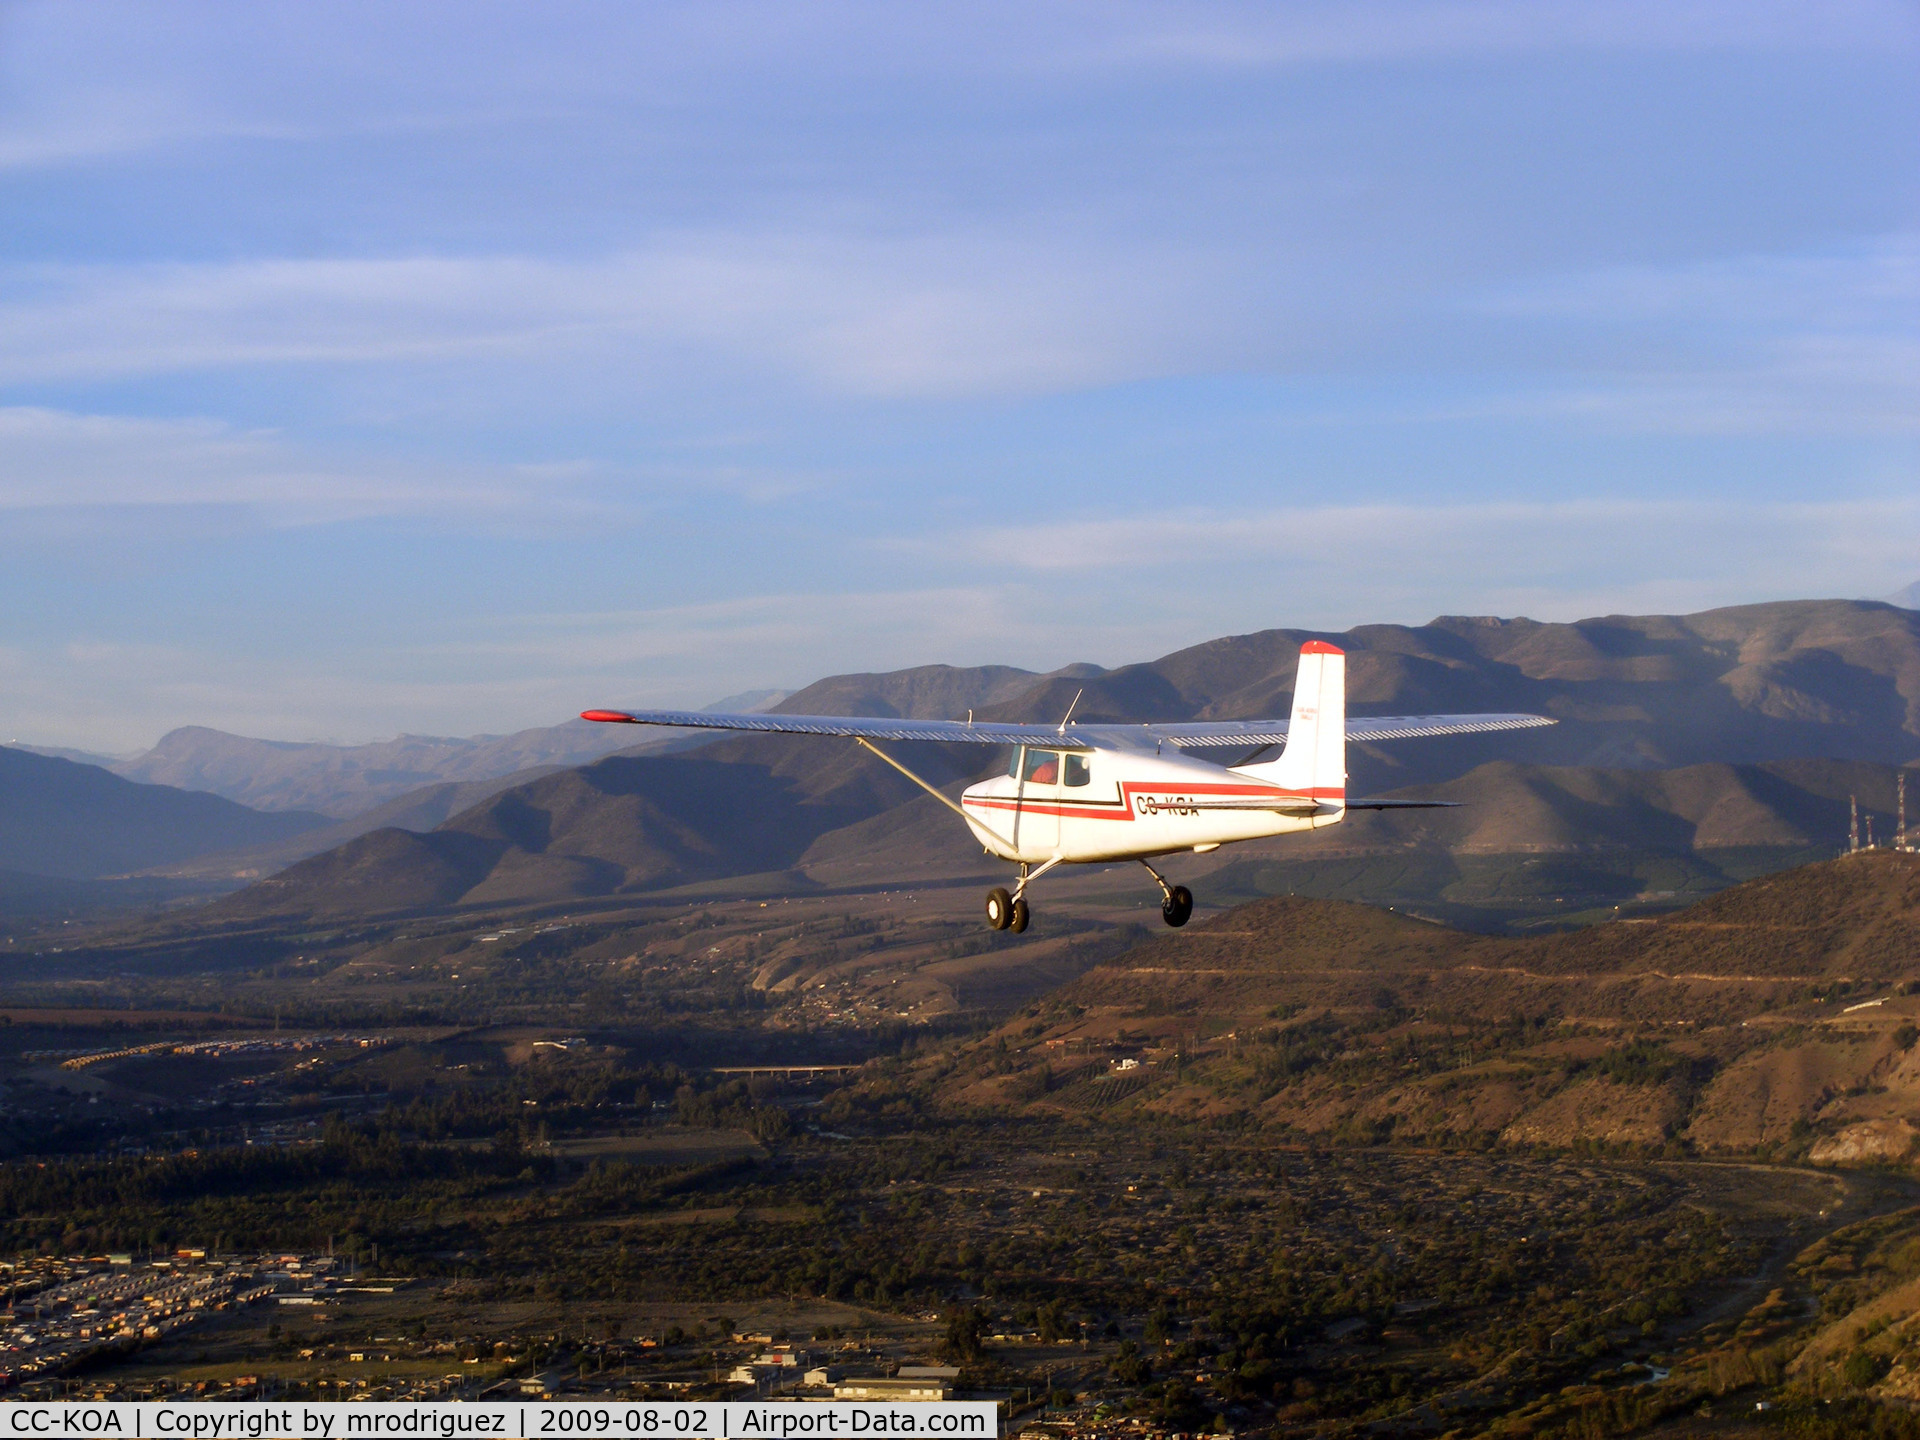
(1780,1013)
(622,825)
(1555,841)
(1754,683)
(417,810)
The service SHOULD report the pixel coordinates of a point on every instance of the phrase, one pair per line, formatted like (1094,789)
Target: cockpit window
(1077,771)
(1043,767)
(1013,761)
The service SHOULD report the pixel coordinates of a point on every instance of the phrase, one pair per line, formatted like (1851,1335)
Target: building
(899,1387)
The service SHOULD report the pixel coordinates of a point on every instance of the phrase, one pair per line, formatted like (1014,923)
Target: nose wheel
(1176,904)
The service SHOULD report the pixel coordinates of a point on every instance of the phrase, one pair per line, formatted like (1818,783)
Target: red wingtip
(612,717)
(1320,647)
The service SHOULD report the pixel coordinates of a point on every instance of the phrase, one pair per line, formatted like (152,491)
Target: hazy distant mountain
(58,818)
(354,780)
(748,702)
(1908,598)
(79,757)
(927,692)
(344,780)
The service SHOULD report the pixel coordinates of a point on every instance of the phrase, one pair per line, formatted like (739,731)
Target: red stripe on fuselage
(1125,810)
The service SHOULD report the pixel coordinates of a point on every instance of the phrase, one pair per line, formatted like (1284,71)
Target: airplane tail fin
(1315,760)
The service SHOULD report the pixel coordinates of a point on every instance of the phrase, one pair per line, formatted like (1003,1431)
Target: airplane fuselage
(1122,804)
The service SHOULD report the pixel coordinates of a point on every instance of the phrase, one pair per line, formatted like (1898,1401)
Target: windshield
(1043,767)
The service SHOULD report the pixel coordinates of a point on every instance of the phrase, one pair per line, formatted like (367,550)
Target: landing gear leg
(1176,905)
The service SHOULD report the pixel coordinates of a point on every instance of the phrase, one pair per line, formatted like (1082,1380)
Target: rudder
(1315,760)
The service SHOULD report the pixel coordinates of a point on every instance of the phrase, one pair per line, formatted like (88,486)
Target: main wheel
(1178,907)
(1019,915)
(999,908)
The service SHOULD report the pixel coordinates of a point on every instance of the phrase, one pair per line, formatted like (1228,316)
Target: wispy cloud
(1749,344)
(541,669)
(125,78)
(1553,560)
(1268,36)
(932,315)
(56,460)
(1757,343)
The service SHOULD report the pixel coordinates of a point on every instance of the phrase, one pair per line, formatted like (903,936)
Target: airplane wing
(1198,734)
(1186,735)
(866,727)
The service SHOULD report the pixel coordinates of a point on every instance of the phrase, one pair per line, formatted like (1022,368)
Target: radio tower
(1900,835)
(1853,824)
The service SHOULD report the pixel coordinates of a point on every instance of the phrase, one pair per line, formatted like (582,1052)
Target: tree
(1051,1326)
(965,1325)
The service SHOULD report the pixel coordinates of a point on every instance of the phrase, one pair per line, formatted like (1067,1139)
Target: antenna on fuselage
(1070,709)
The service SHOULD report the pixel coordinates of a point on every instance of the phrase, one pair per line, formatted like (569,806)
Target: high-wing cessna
(1079,794)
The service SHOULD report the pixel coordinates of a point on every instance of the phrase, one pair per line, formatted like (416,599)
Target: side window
(1013,762)
(1043,767)
(1077,771)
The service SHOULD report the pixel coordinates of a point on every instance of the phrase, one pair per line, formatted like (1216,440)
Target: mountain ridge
(1643,703)
(340,781)
(1614,678)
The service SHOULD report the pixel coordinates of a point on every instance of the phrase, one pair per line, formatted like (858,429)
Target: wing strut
(939,795)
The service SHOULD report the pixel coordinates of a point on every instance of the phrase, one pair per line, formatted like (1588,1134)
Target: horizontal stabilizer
(1403,804)
(1277,804)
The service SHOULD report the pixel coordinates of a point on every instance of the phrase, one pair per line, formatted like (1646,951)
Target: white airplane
(1094,794)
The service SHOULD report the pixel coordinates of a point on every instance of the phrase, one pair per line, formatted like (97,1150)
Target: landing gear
(1009,912)
(1176,905)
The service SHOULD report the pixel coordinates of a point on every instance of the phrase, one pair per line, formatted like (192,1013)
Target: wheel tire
(999,908)
(1178,908)
(1020,915)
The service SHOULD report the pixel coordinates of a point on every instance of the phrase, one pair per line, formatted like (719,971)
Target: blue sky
(451,368)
